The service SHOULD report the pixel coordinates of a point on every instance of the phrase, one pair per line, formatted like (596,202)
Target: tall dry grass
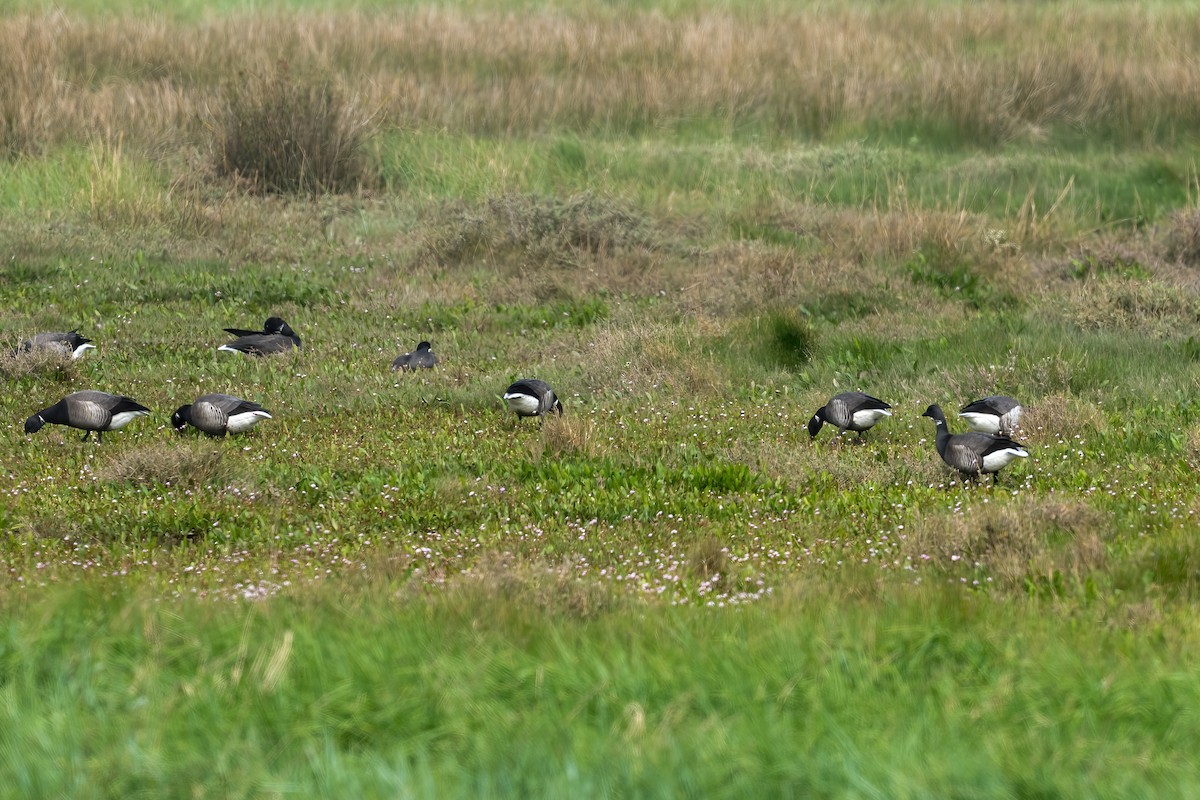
(973,72)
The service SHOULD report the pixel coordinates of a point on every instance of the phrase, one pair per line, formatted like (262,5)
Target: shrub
(282,135)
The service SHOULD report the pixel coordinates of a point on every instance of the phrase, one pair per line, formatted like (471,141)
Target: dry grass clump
(282,134)
(637,356)
(529,231)
(1183,237)
(1061,414)
(1130,303)
(708,561)
(1013,544)
(569,436)
(54,364)
(988,73)
(504,580)
(168,463)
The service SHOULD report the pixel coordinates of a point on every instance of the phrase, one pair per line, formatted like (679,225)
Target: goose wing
(961,453)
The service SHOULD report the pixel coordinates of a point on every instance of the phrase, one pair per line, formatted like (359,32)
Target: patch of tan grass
(1151,307)
(56,365)
(1183,237)
(990,73)
(1014,544)
(504,580)
(639,356)
(169,464)
(570,436)
(1061,414)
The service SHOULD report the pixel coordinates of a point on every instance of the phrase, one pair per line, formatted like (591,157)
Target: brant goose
(995,414)
(421,358)
(89,411)
(272,325)
(219,414)
(275,337)
(532,398)
(65,342)
(973,453)
(849,411)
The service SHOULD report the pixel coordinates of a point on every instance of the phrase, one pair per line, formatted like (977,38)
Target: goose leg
(86,435)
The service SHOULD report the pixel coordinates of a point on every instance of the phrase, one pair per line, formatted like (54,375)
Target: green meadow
(697,221)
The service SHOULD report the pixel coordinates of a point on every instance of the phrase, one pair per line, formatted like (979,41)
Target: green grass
(394,588)
(930,693)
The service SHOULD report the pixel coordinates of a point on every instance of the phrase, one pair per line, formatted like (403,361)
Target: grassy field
(697,221)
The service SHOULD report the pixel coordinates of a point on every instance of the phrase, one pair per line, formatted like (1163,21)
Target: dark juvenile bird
(421,358)
(532,398)
(849,411)
(973,453)
(66,342)
(275,337)
(219,414)
(89,411)
(994,414)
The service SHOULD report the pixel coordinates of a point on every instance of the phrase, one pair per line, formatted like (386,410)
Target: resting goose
(994,414)
(89,411)
(532,398)
(272,325)
(276,337)
(973,453)
(219,414)
(66,342)
(849,411)
(421,358)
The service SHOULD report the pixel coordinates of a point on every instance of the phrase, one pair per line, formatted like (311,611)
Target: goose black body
(532,398)
(272,325)
(275,337)
(219,414)
(89,411)
(421,358)
(973,453)
(67,342)
(849,411)
(996,413)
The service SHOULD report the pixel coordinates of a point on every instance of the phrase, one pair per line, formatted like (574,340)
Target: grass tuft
(282,134)
(502,580)
(1013,546)
(53,364)
(168,464)
(1183,237)
(531,231)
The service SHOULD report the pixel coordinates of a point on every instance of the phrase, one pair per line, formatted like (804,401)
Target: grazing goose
(421,358)
(89,411)
(995,414)
(532,398)
(219,414)
(973,453)
(849,411)
(266,342)
(68,343)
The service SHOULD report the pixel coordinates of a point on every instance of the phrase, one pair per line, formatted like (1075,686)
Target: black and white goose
(89,411)
(532,398)
(65,342)
(421,358)
(973,453)
(272,325)
(219,414)
(849,411)
(275,337)
(994,414)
